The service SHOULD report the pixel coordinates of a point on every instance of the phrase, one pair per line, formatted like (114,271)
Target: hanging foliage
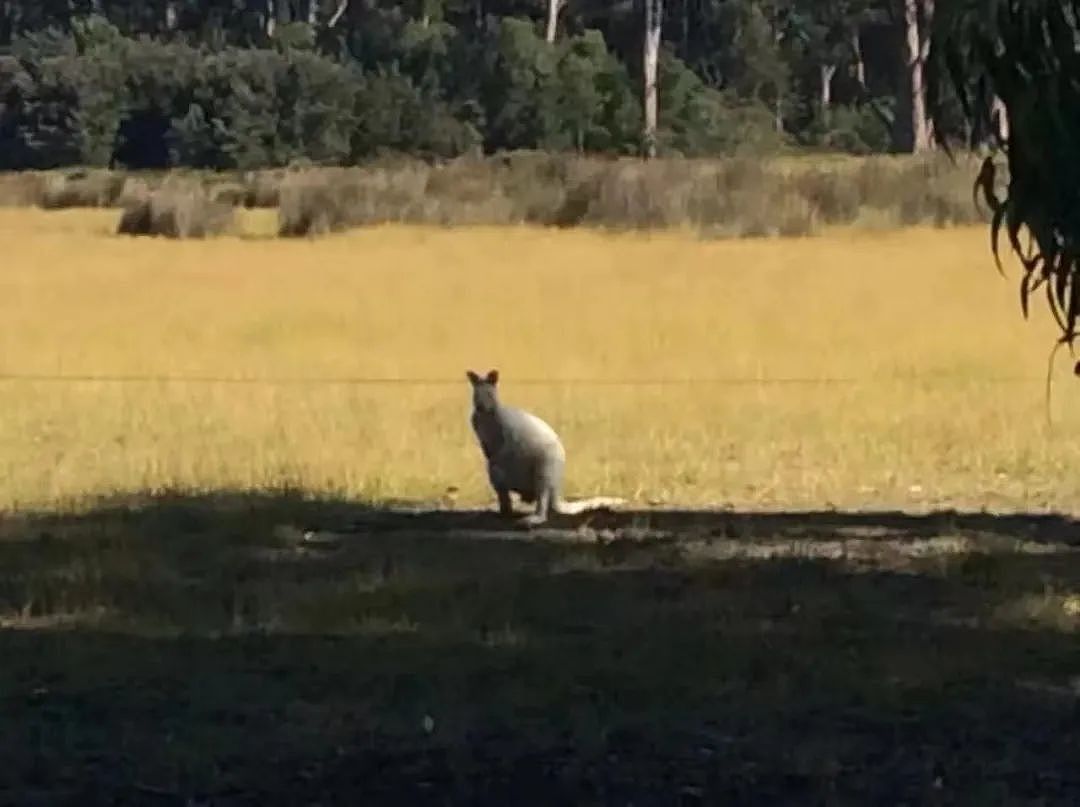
(1021,55)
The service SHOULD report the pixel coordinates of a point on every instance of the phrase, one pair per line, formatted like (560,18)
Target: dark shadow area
(805,525)
(142,141)
(161,649)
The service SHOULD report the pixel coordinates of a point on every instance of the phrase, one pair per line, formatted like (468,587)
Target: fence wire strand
(313,381)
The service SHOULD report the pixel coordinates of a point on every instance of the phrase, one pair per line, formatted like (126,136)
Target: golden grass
(387,302)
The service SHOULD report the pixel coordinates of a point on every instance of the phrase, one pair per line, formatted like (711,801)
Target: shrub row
(730,197)
(738,197)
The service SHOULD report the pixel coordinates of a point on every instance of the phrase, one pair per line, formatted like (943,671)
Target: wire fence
(109,378)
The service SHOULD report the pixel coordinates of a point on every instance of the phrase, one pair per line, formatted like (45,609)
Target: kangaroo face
(485,396)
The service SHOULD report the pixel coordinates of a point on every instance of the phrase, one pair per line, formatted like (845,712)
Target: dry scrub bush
(509,189)
(922,190)
(176,212)
(82,189)
(317,205)
(468,192)
(784,215)
(317,202)
(262,189)
(928,194)
(134,190)
(310,207)
(639,195)
(835,198)
(540,183)
(229,193)
(739,197)
(735,197)
(21,188)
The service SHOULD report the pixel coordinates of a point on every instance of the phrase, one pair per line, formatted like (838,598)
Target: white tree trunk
(339,12)
(171,16)
(654,18)
(860,63)
(915,134)
(925,27)
(825,99)
(553,9)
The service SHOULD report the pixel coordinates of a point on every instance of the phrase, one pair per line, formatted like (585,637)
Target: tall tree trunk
(172,17)
(553,9)
(926,22)
(778,86)
(857,55)
(913,131)
(339,12)
(827,72)
(654,19)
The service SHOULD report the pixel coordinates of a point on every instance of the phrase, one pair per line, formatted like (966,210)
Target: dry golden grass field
(861,588)
(894,368)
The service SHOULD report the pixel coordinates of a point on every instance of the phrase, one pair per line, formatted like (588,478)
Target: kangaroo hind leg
(544,498)
(548,479)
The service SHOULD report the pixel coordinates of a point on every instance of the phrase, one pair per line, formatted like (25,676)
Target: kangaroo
(524,455)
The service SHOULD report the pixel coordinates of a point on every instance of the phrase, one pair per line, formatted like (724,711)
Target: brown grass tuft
(21,188)
(320,202)
(176,212)
(262,189)
(82,189)
(230,193)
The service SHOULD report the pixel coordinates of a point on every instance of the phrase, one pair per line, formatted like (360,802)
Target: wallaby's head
(485,398)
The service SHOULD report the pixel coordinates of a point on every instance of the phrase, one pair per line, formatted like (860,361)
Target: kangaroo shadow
(269,649)
(1050,528)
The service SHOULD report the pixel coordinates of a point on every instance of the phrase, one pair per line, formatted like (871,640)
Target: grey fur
(524,455)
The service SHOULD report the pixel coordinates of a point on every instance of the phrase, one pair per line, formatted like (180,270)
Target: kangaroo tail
(581,505)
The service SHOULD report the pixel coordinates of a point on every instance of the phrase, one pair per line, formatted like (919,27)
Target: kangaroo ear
(493,377)
(474,379)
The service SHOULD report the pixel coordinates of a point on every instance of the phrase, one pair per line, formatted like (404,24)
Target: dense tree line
(249,83)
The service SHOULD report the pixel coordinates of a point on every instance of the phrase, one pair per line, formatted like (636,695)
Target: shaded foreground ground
(235,649)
